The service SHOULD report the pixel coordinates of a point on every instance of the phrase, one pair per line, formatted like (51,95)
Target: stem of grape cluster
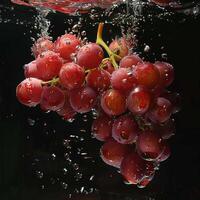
(105,46)
(52,82)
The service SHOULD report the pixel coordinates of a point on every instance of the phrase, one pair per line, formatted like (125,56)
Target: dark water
(32,165)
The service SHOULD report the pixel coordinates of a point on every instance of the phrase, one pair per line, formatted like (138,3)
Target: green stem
(104,45)
(52,82)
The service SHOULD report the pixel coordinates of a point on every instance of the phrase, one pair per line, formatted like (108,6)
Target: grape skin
(90,56)
(66,45)
(149,145)
(113,102)
(130,61)
(139,100)
(53,98)
(30,70)
(102,128)
(125,129)
(147,75)
(82,99)
(166,73)
(112,152)
(98,79)
(66,111)
(161,111)
(123,79)
(29,92)
(133,168)
(71,76)
(120,47)
(41,45)
(48,65)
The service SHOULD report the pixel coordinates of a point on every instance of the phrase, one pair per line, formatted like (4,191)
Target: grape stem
(52,82)
(105,46)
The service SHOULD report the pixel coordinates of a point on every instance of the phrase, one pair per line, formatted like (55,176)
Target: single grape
(147,74)
(161,111)
(30,70)
(48,65)
(98,79)
(66,45)
(83,99)
(174,98)
(102,128)
(53,98)
(71,76)
(123,79)
(129,61)
(113,102)
(133,168)
(166,73)
(165,154)
(29,92)
(120,47)
(41,45)
(112,152)
(166,129)
(90,56)
(125,129)
(139,100)
(149,145)
(66,111)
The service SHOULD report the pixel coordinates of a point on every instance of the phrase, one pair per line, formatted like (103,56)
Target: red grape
(53,98)
(90,56)
(30,70)
(66,111)
(83,99)
(29,92)
(48,65)
(147,75)
(166,129)
(123,79)
(175,100)
(66,45)
(125,129)
(41,45)
(71,76)
(129,61)
(102,128)
(166,73)
(165,154)
(133,168)
(161,111)
(139,100)
(149,145)
(120,47)
(113,102)
(112,152)
(98,79)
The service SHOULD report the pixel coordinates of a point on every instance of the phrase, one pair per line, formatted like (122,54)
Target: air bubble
(39,174)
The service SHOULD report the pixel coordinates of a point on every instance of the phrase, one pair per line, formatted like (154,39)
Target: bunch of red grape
(129,94)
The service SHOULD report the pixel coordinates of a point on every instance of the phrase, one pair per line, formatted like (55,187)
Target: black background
(21,143)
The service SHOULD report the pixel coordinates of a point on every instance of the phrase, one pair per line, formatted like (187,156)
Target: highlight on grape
(135,109)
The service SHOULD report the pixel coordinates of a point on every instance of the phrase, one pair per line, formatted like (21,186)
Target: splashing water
(68,6)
